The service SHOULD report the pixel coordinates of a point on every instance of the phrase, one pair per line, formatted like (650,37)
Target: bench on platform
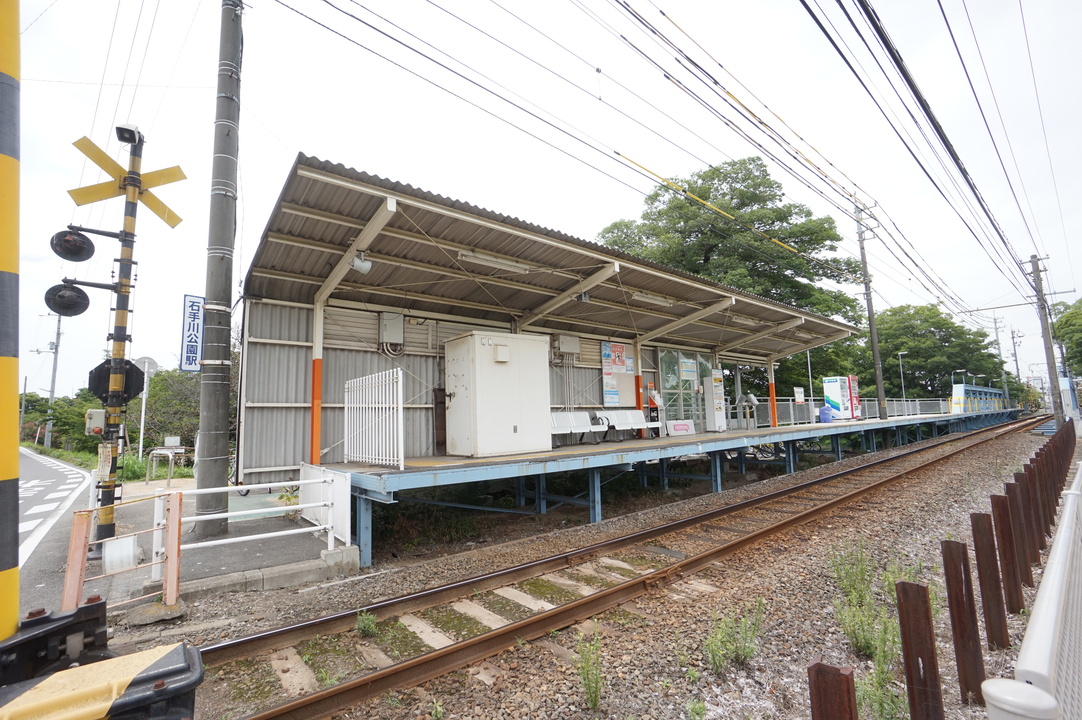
(575,423)
(627,420)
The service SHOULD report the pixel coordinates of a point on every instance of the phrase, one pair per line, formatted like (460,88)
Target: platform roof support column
(595,495)
(773,393)
(315,436)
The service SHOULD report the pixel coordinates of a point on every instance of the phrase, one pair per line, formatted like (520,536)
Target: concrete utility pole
(873,337)
(55,350)
(212,446)
(1046,333)
(1002,362)
(1015,341)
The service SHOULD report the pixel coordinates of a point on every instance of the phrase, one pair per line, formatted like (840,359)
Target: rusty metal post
(1021,535)
(963,610)
(833,691)
(1036,472)
(918,652)
(1009,558)
(984,548)
(1032,517)
(76,570)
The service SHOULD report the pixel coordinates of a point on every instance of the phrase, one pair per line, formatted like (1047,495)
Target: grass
(366,625)
(867,616)
(733,640)
(589,668)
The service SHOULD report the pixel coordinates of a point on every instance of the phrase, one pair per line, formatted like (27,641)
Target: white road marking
(55,495)
(28,525)
(27,547)
(38,509)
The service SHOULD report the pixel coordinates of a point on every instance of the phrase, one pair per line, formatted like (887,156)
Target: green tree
(1067,331)
(69,422)
(679,232)
(172,409)
(935,347)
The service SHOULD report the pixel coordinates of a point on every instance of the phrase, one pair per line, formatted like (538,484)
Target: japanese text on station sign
(191,343)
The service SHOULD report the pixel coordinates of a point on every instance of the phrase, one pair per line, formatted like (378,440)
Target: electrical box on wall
(497,394)
(568,344)
(392,328)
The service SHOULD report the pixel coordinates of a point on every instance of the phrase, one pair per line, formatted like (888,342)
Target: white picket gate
(375,433)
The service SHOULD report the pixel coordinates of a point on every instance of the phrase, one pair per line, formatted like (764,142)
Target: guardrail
(1047,680)
(791,412)
(323,501)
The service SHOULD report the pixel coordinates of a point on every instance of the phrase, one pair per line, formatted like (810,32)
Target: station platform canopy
(339,235)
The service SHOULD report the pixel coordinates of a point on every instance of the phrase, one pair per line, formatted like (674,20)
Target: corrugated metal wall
(277,381)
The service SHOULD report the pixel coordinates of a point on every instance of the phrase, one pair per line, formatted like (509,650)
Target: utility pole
(54,348)
(212,447)
(1046,333)
(1015,341)
(873,337)
(1002,362)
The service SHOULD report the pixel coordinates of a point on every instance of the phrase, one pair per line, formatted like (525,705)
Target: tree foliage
(1067,331)
(935,347)
(676,230)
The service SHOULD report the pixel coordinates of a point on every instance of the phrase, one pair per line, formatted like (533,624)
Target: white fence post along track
(374,423)
(1048,674)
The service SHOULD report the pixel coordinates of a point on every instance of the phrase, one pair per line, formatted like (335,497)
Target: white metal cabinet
(497,394)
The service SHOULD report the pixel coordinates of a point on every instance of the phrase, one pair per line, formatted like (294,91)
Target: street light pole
(901,375)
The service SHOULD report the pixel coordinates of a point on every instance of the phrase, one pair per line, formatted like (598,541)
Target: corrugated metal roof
(433,255)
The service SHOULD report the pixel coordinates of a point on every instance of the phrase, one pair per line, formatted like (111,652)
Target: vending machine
(842,396)
(714,392)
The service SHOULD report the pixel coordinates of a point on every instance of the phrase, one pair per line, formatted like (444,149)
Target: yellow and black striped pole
(116,400)
(9,317)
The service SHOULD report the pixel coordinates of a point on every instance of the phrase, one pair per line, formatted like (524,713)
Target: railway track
(449,627)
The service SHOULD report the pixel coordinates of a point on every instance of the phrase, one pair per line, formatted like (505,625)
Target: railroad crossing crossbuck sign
(115,187)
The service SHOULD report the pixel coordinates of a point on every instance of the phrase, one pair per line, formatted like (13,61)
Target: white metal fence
(374,422)
(1048,674)
(791,412)
(323,500)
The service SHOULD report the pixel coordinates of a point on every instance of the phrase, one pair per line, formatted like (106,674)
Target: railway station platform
(648,457)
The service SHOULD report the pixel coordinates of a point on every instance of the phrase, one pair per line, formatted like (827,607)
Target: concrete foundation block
(300,573)
(342,561)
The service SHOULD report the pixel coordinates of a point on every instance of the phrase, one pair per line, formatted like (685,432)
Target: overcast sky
(543,97)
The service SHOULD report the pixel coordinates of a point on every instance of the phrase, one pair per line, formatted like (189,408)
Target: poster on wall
(613,362)
(688,369)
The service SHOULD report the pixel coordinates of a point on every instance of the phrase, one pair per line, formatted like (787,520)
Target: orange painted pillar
(773,394)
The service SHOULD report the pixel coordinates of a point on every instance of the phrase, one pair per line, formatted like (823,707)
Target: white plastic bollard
(1008,699)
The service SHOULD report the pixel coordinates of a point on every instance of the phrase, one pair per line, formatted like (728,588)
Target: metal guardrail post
(78,543)
(833,691)
(171,560)
(1009,554)
(984,548)
(963,611)
(918,651)
(1021,535)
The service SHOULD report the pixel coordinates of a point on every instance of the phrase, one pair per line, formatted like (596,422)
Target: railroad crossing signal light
(66,300)
(72,245)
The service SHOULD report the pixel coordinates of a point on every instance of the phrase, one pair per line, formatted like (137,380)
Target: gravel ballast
(652,657)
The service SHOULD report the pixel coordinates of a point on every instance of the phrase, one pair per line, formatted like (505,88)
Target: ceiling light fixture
(494,262)
(651,299)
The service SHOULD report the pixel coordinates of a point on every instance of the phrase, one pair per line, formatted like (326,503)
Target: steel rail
(279,638)
(439,662)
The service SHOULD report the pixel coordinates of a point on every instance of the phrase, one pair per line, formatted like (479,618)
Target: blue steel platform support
(520,491)
(362,527)
(663,472)
(644,481)
(790,456)
(836,446)
(595,494)
(542,494)
(717,463)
